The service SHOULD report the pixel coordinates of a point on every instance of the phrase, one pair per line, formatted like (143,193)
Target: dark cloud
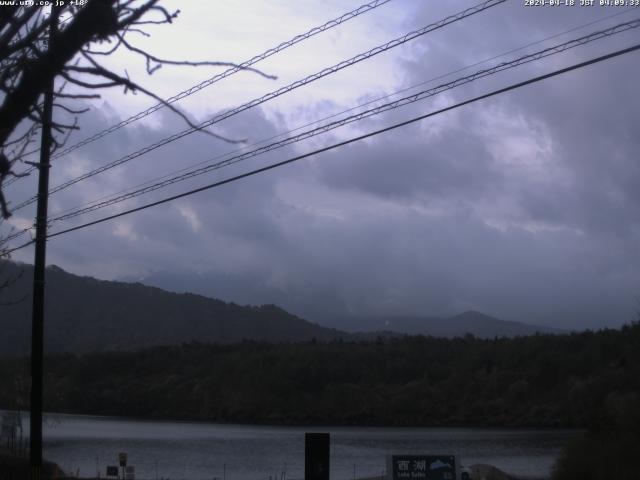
(524,206)
(415,162)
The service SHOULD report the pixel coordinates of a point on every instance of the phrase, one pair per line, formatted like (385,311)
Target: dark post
(37,320)
(316,456)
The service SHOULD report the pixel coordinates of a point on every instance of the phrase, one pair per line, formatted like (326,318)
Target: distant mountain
(251,289)
(475,323)
(485,326)
(88,315)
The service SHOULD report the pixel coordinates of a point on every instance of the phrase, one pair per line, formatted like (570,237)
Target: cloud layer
(524,206)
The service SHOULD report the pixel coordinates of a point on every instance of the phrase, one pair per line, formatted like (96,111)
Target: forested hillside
(545,380)
(83,314)
(88,315)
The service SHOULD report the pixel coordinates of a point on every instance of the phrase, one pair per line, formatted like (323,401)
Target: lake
(198,451)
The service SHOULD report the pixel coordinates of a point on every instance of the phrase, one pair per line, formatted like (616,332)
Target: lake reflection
(198,451)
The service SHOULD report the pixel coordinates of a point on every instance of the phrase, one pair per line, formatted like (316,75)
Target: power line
(344,121)
(14,235)
(358,117)
(227,73)
(351,140)
(149,186)
(343,143)
(600,20)
(361,105)
(258,58)
(537,42)
(276,93)
(6,253)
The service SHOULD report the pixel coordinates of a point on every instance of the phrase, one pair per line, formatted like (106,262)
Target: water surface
(198,451)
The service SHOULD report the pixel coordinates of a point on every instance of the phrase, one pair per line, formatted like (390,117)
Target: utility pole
(37,320)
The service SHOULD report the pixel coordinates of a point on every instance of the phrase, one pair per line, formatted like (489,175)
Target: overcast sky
(524,206)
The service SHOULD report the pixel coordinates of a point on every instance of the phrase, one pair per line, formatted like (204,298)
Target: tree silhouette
(85,32)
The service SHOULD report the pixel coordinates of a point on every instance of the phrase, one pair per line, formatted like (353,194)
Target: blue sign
(422,467)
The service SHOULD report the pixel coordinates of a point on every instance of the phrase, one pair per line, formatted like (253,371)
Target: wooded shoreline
(542,381)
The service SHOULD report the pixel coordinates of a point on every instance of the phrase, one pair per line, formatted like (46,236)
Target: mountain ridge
(131,316)
(477,323)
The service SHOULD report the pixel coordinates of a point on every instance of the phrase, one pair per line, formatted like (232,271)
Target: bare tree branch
(187,63)
(98,28)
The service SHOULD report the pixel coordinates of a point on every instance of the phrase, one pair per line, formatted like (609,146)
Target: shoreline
(310,425)
(147,441)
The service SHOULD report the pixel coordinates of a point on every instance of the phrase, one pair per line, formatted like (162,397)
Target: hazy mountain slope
(485,326)
(84,314)
(88,315)
(476,323)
